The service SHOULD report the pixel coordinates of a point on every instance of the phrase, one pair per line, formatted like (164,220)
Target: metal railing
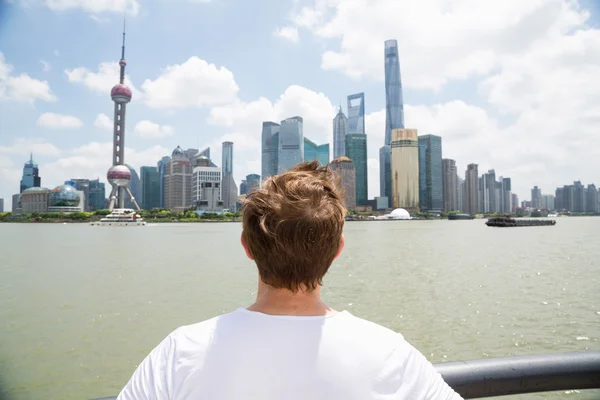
(519,375)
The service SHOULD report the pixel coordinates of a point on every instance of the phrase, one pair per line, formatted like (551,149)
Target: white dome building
(398,213)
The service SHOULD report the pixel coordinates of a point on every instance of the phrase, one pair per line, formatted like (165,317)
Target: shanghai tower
(394,115)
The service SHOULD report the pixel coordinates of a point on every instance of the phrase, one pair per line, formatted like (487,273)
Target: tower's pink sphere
(118,175)
(121,93)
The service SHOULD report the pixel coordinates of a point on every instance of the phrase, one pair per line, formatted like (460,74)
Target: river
(81,306)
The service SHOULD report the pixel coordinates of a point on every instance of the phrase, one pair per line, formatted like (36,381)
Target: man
(288,344)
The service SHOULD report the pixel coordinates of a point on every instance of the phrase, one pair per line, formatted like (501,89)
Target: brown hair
(292,227)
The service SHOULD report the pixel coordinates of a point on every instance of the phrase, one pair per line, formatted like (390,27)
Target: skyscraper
(1,205)
(243,187)
(536,197)
(312,151)
(394,106)
(206,186)
(229,191)
(291,143)
(270,149)
(119,175)
(592,199)
(178,182)
(356,150)
(135,187)
(97,195)
(506,205)
(356,113)
(162,166)
(449,185)
(253,182)
(471,195)
(431,192)
(31,176)
(150,188)
(394,114)
(344,168)
(405,169)
(340,129)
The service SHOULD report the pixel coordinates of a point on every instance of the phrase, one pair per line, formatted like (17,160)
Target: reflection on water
(81,306)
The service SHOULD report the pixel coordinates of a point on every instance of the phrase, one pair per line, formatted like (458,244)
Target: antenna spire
(122,63)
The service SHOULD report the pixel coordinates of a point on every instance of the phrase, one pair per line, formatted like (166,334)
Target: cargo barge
(507,222)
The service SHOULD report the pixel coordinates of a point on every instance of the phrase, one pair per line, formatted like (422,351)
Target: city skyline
(63,121)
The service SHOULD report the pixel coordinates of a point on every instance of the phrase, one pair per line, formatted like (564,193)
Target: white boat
(121,217)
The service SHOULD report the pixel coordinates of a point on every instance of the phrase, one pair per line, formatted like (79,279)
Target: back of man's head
(292,227)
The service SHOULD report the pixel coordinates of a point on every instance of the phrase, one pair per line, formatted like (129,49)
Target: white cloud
(58,121)
(22,88)
(131,7)
(45,65)
(22,147)
(103,122)
(150,130)
(289,33)
(102,81)
(195,83)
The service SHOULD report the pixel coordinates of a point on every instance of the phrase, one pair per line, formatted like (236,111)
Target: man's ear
(245,246)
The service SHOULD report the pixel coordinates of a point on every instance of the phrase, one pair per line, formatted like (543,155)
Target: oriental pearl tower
(118,175)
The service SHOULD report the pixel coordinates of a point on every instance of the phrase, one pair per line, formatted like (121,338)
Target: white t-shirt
(250,355)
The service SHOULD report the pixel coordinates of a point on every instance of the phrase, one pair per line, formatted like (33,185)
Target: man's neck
(284,302)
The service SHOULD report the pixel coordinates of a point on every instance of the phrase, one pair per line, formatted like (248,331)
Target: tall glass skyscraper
(312,151)
(356,150)
(31,176)
(291,143)
(356,113)
(394,114)
(270,149)
(229,192)
(150,188)
(162,168)
(431,192)
(97,197)
(340,129)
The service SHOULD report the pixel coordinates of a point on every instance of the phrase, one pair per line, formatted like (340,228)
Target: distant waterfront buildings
(430,173)
(206,186)
(577,198)
(270,149)
(291,143)
(506,205)
(135,186)
(1,205)
(15,202)
(405,169)
(253,182)
(536,197)
(94,192)
(229,191)
(344,168)
(31,176)
(340,129)
(394,114)
(178,181)
(313,151)
(547,202)
(356,150)
(460,193)
(243,187)
(150,188)
(162,167)
(471,194)
(449,185)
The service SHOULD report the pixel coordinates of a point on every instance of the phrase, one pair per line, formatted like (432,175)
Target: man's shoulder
(374,331)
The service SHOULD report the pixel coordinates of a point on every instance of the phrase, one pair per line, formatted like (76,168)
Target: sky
(511,85)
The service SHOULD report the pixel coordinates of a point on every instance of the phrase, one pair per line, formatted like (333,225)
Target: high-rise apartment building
(243,187)
(356,150)
(1,205)
(291,143)
(547,202)
(31,177)
(313,151)
(178,181)
(471,194)
(135,186)
(15,202)
(405,169)
(150,188)
(592,199)
(162,168)
(514,202)
(344,167)
(270,149)
(506,205)
(394,114)
(430,173)
(206,186)
(536,197)
(449,185)
(460,193)
(340,129)
(229,191)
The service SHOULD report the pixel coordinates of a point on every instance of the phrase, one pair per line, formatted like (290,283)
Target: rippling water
(80,306)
